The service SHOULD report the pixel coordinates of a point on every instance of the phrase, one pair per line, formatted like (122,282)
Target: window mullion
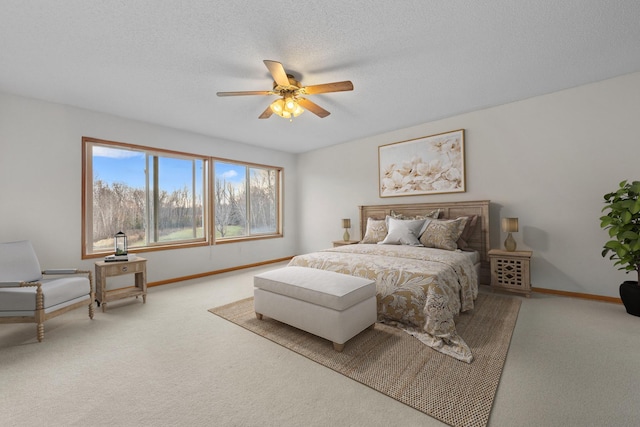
(156,198)
(147,194)
(247,192)
(193,198)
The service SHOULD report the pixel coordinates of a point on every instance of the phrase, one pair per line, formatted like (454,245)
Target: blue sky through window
(230,172)
(113,165)
(127,166)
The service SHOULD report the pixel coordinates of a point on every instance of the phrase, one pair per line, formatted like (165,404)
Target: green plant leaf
(630,235)
(605,221)
(612,244)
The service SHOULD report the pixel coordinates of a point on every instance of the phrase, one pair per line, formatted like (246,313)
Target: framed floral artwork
(427,165)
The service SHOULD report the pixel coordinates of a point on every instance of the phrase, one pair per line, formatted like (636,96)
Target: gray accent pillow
(403,232)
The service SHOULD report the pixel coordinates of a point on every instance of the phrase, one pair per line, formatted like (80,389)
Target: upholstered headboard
(479,240)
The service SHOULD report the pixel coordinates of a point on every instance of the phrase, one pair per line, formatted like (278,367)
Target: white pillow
(403,232)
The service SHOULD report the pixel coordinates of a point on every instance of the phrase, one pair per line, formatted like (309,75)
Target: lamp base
(346,236)
(510,243)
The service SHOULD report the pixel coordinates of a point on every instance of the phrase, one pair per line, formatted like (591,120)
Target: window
(157,198)
(163,199)
(246,200)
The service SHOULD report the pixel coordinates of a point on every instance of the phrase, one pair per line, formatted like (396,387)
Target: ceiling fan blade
(313,107)
(248,92)
(266,113)
(328,87)
(277,72)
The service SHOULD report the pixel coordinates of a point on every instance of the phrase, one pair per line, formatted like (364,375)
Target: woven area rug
(398,365)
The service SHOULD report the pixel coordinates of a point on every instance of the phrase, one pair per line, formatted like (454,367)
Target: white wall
(40,185)
(546,160)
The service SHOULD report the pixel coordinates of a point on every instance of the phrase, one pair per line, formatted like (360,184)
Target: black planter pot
(630,295)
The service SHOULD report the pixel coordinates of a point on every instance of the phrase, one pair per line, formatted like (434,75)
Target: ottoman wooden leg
(258,316)
(338,347)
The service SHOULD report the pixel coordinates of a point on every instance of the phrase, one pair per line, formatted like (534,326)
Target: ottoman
(330,305)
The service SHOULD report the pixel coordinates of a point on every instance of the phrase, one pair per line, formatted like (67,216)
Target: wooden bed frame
(479,240)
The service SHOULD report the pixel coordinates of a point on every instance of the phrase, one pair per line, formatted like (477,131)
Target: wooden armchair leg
(40,332)
(91,309)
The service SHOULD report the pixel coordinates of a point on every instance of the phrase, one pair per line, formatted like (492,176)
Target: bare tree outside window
(153,197)
(160,198)
(246,200)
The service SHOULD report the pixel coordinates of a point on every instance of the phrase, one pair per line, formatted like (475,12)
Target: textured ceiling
(411,62)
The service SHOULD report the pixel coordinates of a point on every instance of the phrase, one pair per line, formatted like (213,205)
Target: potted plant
(623,224)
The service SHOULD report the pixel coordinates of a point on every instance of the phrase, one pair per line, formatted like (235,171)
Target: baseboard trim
(578,295)
(274,261)
(214,272)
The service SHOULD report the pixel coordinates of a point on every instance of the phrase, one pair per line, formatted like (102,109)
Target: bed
(419,289)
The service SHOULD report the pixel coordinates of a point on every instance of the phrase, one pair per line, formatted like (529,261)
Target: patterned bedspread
(420,290)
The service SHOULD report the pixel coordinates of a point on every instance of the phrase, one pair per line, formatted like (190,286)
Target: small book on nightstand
(118,258)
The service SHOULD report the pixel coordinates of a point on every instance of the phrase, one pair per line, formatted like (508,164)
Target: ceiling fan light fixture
(277,106)
(290,104)
(286,107)
(298,110)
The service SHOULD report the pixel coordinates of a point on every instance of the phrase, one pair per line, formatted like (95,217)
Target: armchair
(31,295)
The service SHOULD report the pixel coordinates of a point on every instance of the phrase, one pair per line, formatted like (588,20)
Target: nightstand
(137,267)
(337,243)
(510,271)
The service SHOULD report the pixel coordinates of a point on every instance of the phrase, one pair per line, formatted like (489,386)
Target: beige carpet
(398,365)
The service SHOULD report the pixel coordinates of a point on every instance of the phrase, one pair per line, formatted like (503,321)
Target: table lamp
(510,225)
(346,224)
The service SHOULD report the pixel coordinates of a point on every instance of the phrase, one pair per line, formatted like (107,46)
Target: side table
(137,267)
(337,243)
(510,271)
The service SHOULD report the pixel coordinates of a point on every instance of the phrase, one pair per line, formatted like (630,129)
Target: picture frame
(427,165)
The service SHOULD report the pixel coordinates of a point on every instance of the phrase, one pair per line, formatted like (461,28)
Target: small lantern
(121,243)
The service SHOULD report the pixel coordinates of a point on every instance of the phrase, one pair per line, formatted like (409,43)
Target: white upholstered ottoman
(330,305)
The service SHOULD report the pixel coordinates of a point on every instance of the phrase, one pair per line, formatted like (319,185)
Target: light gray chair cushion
(18,262)
(54,291)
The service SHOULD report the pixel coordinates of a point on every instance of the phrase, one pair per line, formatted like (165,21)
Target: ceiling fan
(291,102)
